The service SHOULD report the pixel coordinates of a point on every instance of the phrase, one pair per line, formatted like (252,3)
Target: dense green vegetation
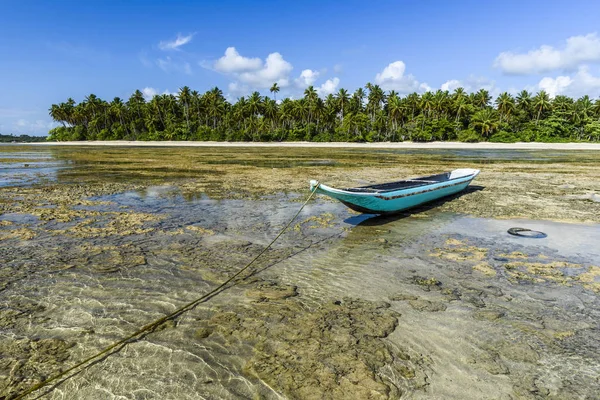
(21,139)
(368,115)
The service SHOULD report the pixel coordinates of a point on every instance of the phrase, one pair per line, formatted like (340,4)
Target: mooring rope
(149,327)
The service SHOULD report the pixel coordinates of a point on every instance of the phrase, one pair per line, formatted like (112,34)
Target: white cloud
(576,50)
(237,89)
(252,71)
(472,84)
(307,78)
(276,69)
(329,87)
(233,86)
(451,85)
(423,87)
(582,83)
(177,43)
(392,78)
(338,68)
(169,65)
(150,92)
(556,85)
(232,61)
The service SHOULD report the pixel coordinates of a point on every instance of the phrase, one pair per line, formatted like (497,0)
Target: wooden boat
(389,198)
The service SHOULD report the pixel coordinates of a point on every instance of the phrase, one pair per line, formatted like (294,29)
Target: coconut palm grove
(367,115)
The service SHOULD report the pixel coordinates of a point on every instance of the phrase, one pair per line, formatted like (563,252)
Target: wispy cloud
(169,65)
(16,112)
(175,44)
(37,127)
(143,57)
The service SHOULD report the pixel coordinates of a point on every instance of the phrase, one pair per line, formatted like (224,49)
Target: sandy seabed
(381,145)
(438,303)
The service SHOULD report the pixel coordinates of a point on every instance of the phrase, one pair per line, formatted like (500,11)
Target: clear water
(469,335)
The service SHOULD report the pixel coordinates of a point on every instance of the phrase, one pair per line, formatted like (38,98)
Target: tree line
(367,115)
(21,138)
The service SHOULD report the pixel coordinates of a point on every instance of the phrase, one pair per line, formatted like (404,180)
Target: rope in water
(149,327)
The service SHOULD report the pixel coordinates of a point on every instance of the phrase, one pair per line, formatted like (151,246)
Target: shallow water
(483,314)
(29,164)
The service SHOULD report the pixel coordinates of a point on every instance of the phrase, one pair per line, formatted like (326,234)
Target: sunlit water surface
(474,334)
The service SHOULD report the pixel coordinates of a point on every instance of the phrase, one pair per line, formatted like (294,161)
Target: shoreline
(380,145)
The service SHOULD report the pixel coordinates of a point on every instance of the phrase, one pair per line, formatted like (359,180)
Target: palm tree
(459,100)
(301,110)
(413,101)
(311,96)
(375,99)
(426,103)
(57,114)
(216,105)
(196,105)
(274,89)
(597,108)
(185,97)
(395,111)
(440,101)
(505,104)
(482,98)
(524,101)
(255,104)
(486,120)
(117,107)
(343,99)
(286,113)
(368,110)
(585,106)
(358,97)
(541,102)
(563,106)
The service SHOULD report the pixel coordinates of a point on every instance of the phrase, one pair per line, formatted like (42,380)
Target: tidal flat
(439,302)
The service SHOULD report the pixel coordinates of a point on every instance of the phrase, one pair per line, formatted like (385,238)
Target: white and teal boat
(388,198)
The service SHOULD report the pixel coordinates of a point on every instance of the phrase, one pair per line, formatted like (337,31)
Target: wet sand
(337,145)
(436,303)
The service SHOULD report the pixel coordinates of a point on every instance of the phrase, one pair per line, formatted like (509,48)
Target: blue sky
(50,51)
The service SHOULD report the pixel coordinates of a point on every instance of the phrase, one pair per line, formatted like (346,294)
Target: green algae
(341,350)
(26,362)
(513,187)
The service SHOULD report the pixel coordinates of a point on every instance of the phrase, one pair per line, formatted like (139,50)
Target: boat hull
(395,201)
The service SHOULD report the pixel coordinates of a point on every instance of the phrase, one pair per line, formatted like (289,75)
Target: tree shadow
(377,220)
